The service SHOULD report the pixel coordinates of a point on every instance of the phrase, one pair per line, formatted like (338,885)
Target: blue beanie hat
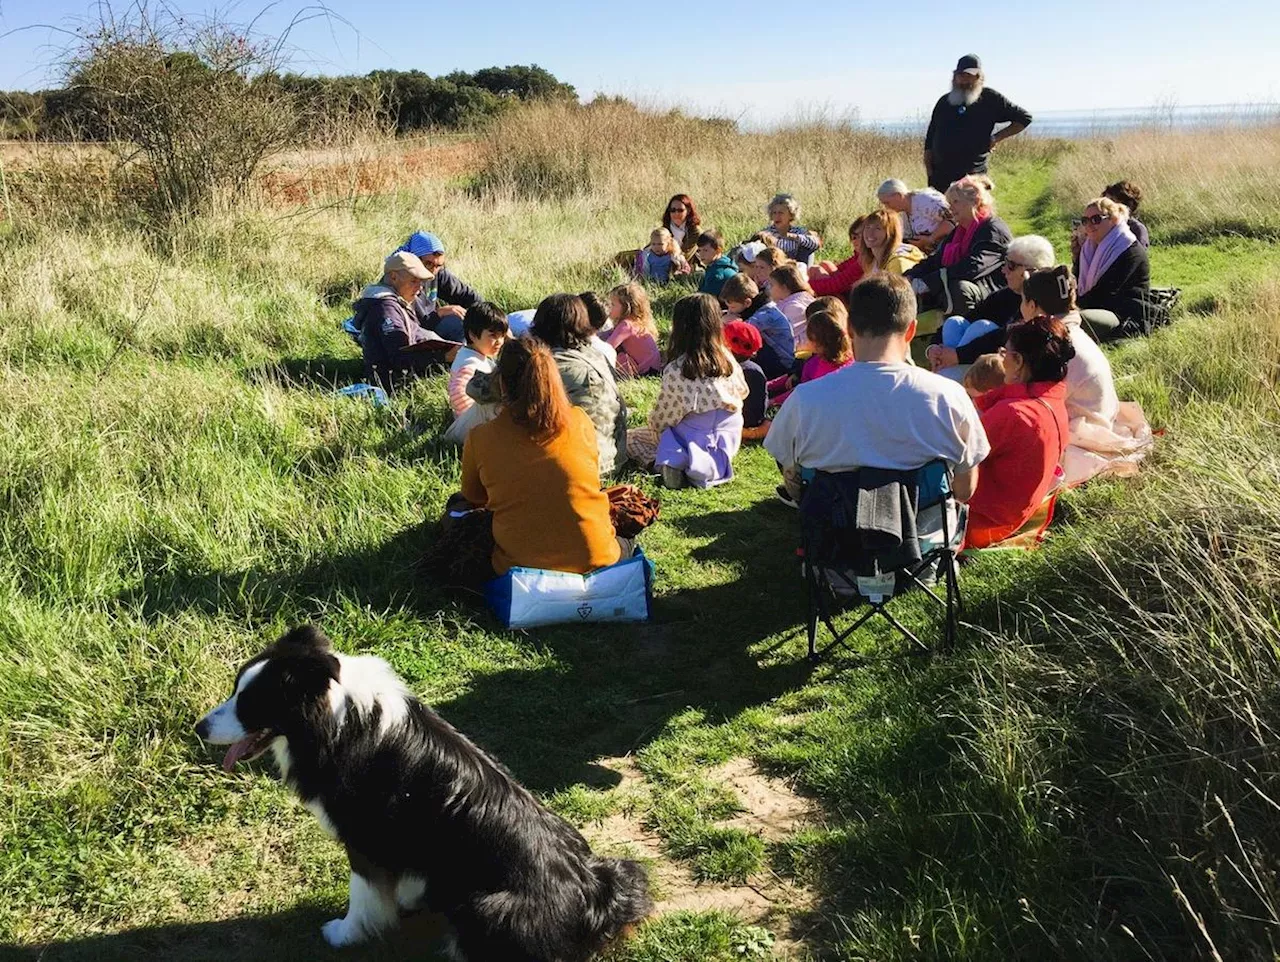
(423,242)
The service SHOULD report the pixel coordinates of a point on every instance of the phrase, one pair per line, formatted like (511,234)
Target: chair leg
(811,590)
(953,600)
(903,629)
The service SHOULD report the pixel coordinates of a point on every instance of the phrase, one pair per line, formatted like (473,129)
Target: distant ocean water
(1093,123)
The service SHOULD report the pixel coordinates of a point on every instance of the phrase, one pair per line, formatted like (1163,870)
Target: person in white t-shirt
(926,216)
(880,411)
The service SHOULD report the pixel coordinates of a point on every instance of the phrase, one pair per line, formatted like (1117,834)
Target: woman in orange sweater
(535,467)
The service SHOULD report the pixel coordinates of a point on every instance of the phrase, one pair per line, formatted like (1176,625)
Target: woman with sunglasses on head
(961,341)
(1113,270)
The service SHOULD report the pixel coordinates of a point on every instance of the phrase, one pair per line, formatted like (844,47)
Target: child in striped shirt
(798,243)
(486,329)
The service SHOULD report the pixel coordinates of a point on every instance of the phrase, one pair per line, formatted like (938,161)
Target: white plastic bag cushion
(531,597)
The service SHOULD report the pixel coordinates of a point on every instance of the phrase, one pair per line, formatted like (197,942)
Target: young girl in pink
(789,288)
(634,335)
(831,351)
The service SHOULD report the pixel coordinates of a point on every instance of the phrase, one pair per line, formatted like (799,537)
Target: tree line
(401,100)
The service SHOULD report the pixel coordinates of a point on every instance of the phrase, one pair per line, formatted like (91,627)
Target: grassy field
(1091,775)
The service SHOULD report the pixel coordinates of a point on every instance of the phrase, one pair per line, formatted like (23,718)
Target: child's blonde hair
(635,308)
(791,277)
(829,337)
(668,242)
(833,306)
(985,374)
(774,257)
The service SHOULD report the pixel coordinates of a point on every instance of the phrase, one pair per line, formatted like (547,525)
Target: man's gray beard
(959,96)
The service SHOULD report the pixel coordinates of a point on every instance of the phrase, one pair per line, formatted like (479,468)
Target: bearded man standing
(960,136)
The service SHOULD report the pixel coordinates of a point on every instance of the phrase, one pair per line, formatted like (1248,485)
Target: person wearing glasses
(682,220)
(445,298)
(963,340)
(395,346)
(1113,270)
(960,138)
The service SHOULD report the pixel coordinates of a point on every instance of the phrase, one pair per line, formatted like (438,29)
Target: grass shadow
(620,686)
(327,371)
(292,936)
(609,688)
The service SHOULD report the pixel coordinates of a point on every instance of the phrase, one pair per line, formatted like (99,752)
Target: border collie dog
(429,821)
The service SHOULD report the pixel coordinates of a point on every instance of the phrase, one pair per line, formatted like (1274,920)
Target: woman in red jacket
(836,280)
(1026,423)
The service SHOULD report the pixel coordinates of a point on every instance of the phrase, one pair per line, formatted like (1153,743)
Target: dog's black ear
(305,636)
(309,676)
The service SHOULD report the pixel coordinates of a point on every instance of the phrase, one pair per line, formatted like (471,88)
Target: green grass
(1090,775)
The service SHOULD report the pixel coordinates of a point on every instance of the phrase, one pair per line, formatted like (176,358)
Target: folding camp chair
(829,582)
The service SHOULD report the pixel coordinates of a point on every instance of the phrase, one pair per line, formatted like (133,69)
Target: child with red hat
(744,341)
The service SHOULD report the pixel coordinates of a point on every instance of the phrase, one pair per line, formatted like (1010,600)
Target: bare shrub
(193,103)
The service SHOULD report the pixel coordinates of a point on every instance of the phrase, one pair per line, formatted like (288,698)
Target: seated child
(598,315)
(985,374)
(744,342)
(832,350)
(795,241)
(718,266)
(485,328)
(789,289)
(660,259)
(695,425)
(757,260)
(837,279)
(835,306)
(518,322)
(634,335)
(778,353)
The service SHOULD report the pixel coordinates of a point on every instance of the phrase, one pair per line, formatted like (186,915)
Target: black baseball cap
(969,63)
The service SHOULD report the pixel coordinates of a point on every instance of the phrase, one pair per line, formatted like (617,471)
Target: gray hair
(1032,250)
(785,200)
(892,186)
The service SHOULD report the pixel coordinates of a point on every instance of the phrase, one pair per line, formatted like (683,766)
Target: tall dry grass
(628,159)
(1199,183)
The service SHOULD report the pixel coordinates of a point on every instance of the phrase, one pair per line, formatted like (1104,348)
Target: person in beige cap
(395,345)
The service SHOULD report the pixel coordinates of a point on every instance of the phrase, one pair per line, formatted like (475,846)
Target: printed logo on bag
(584,611)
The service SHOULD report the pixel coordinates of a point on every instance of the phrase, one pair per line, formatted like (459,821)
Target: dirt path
(772,810)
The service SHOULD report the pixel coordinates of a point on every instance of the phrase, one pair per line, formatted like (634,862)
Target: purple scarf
(1096,258)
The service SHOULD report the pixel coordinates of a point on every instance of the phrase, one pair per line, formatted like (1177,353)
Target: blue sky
(763,61)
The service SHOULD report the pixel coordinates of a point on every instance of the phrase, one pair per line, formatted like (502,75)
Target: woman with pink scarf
(963,271)
(1115,275)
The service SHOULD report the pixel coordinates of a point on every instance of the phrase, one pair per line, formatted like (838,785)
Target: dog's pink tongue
(237,752)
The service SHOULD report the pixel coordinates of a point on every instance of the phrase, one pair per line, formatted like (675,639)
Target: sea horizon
(1111,120)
